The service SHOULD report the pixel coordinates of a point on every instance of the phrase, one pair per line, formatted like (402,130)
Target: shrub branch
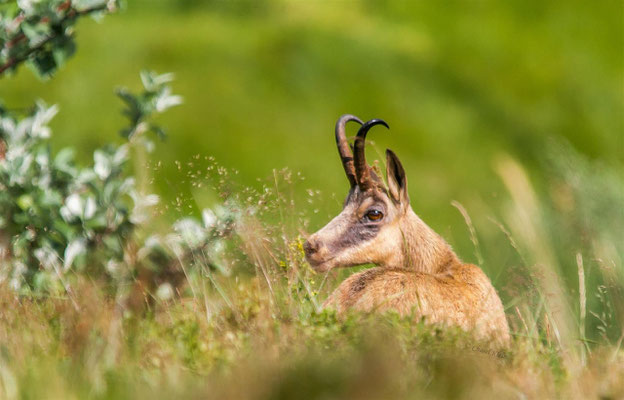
(71,15)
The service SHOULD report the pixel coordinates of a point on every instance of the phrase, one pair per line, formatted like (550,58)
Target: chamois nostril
(310,247)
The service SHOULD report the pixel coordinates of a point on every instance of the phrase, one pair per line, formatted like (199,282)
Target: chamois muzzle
(310,247)
(316,254)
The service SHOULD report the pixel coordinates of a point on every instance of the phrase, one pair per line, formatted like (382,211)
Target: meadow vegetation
(512,142)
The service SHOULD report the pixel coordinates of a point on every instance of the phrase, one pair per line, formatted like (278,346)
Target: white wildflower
(167,100)
(102,167)
(164,291)
(90,208)
(75,248)
(74,204)
(209,218)
(191,233)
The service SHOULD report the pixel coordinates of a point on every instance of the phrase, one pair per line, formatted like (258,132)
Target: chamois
(417,273)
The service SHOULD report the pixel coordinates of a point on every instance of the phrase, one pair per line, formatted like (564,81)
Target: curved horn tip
(377,121)
(344,118)
(369,124)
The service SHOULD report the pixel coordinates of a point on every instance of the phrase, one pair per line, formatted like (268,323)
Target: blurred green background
(264,81)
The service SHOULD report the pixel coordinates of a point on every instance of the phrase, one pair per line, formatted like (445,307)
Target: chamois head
(370,227)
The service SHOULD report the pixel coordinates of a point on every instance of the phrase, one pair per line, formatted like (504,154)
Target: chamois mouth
(320,265)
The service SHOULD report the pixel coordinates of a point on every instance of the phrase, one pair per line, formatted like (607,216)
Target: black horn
(362,170)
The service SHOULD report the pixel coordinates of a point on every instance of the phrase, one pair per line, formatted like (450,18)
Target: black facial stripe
(355,234)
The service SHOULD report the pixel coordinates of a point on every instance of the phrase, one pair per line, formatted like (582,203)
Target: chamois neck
(423,249)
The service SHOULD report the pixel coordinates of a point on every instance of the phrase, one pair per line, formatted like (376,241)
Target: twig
(582,303)
(471,229)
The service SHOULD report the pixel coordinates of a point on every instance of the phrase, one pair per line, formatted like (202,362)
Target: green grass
(512,109)
(258,332)
(250,352)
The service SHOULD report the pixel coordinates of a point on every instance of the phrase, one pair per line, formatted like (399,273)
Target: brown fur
(417,272)
(464,297)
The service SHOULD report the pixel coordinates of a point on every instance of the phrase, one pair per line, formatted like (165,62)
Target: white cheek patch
(347,241)
(382,247)
(335,228)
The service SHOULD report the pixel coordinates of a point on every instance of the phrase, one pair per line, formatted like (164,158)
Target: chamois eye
(374,215)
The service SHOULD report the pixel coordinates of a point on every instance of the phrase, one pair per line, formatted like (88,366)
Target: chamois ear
(397,181)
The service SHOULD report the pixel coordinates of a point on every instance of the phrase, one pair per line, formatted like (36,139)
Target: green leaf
(44,64)
(160,132)
(25,202)
(63,228)
(63,50)
(97,223)
(64,161)
(36,33)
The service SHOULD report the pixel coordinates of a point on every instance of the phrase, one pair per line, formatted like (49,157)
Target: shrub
(60,216)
